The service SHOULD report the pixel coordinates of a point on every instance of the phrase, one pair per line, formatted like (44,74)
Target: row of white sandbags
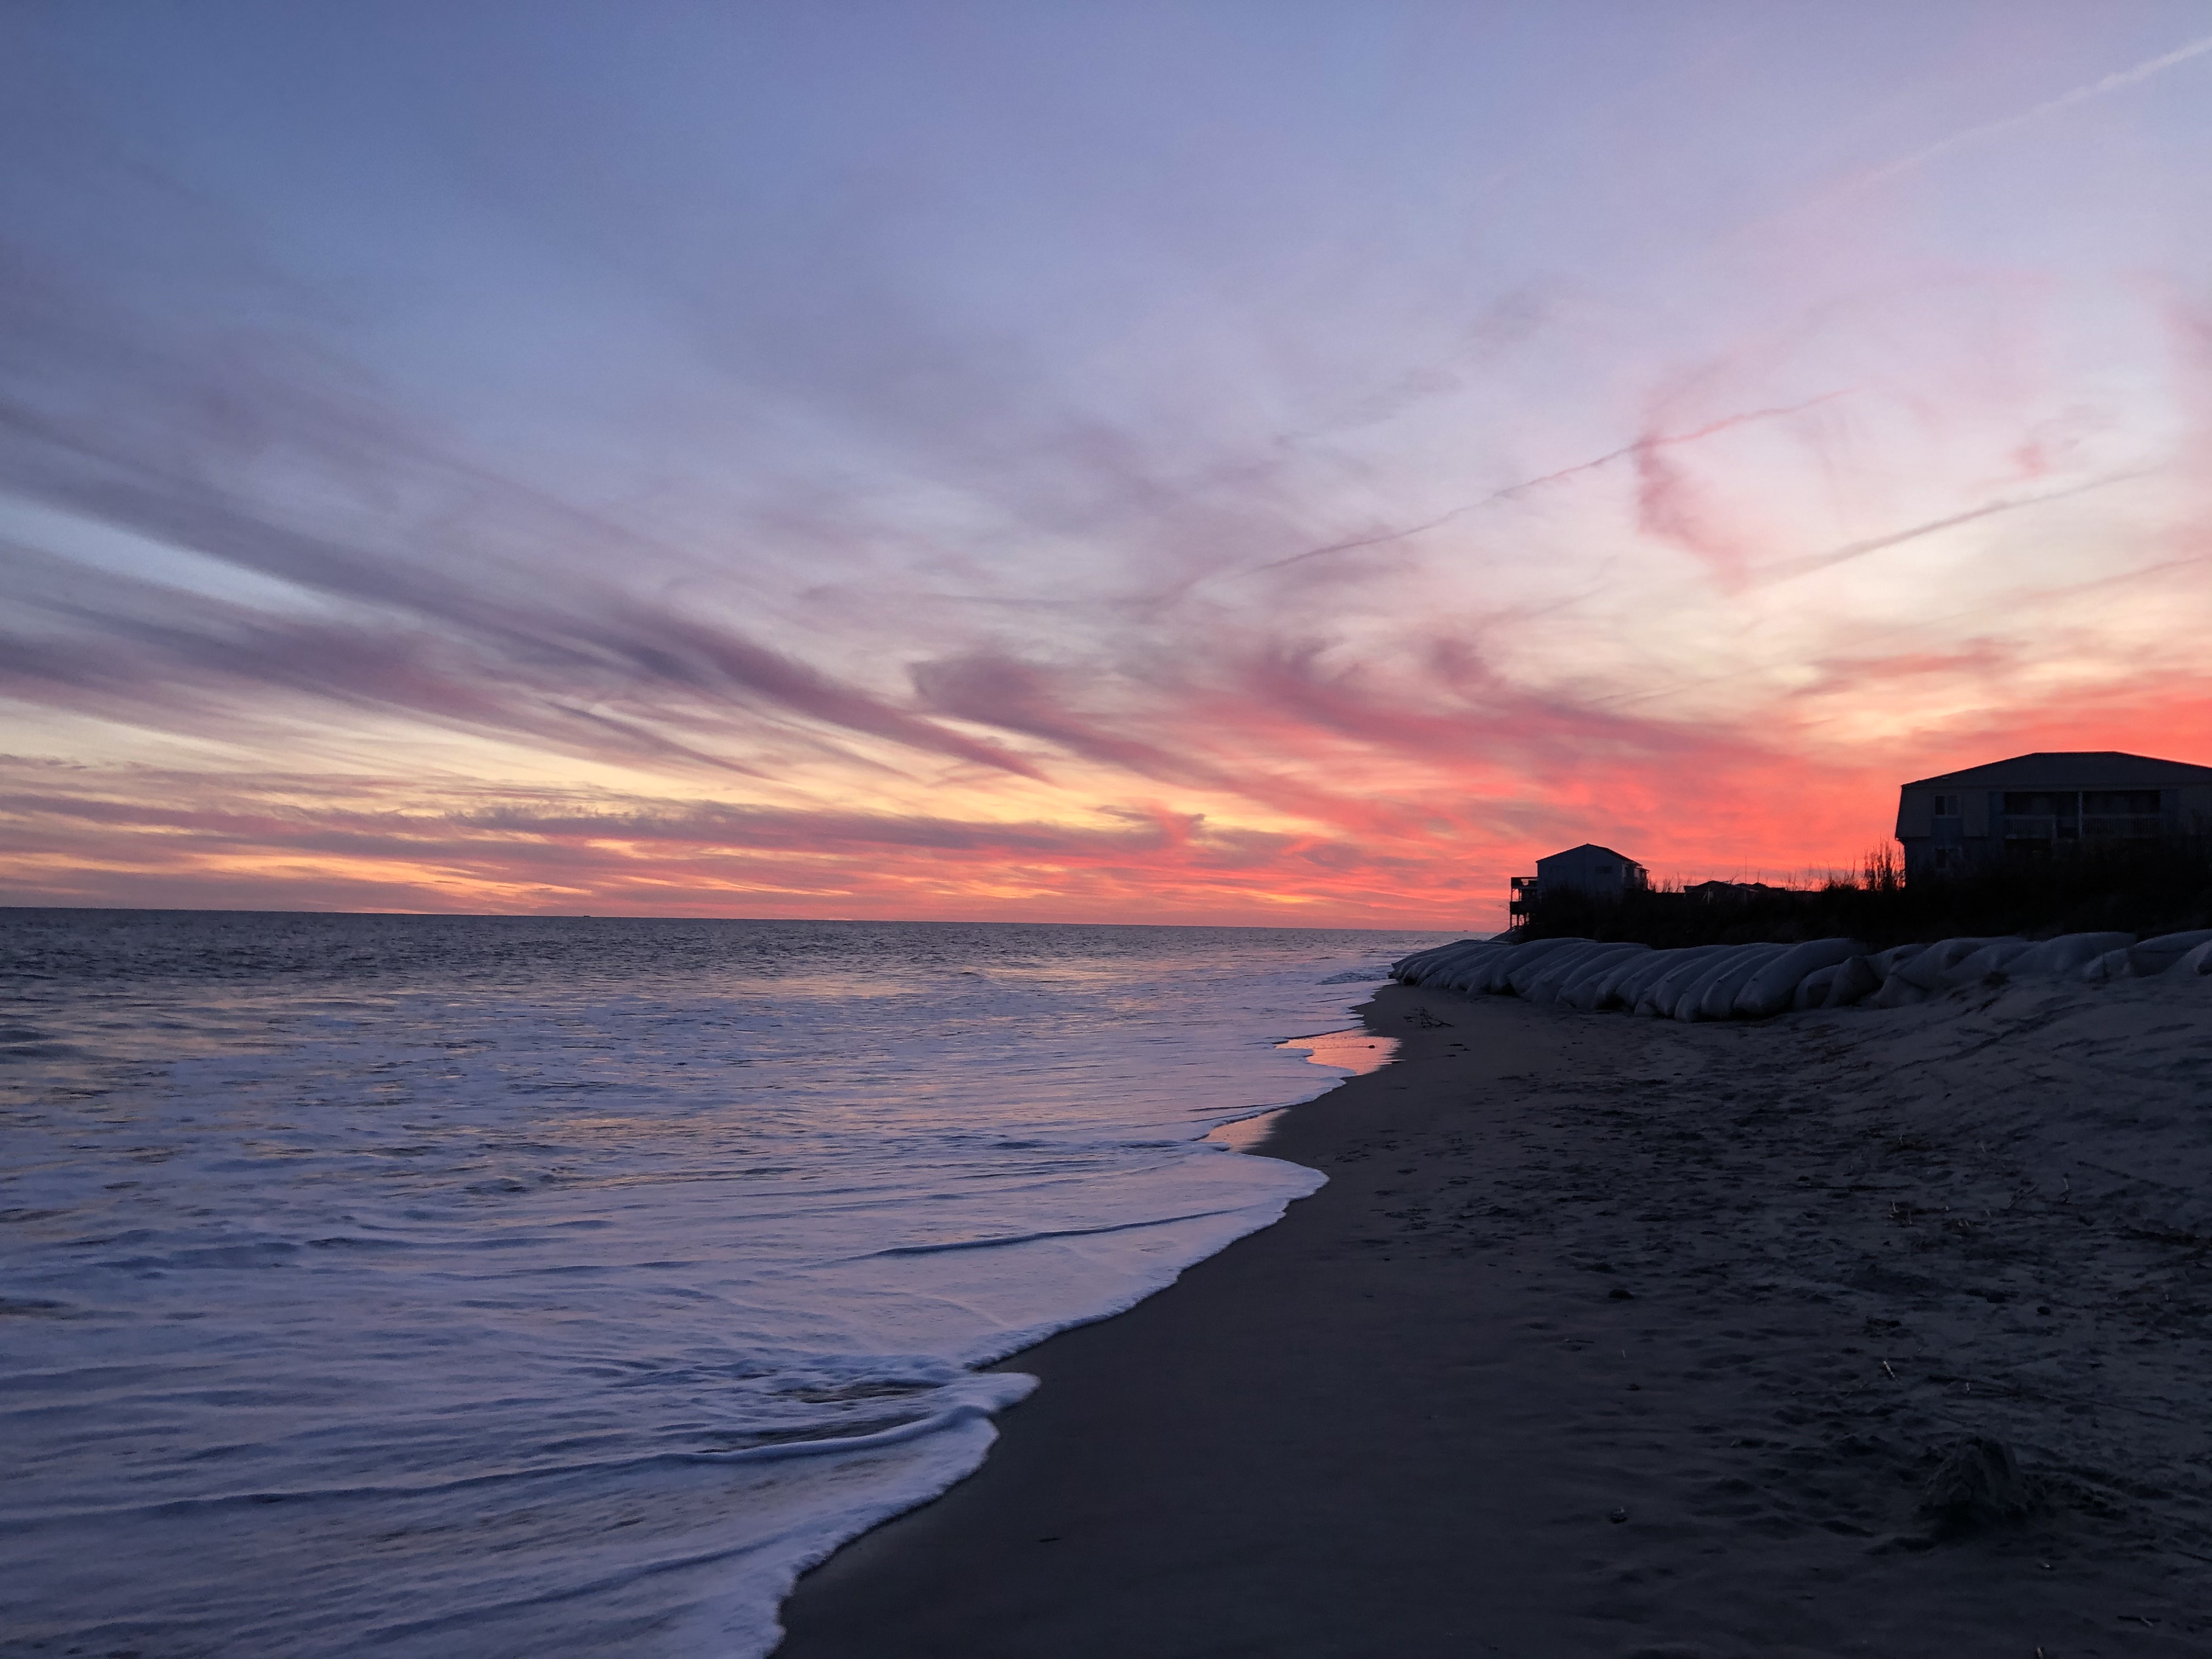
(1919,971)
(1752,981)
(1710,982)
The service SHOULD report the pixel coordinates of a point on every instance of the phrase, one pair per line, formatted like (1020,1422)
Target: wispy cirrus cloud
(470,636)
(933,512)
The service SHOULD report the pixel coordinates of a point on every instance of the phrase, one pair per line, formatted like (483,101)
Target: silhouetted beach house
(2034,805)
(1722,890)
(1589,868)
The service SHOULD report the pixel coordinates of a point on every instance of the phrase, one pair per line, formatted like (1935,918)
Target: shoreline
(1623,1337)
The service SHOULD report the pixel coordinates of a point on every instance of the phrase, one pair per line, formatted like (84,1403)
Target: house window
(2134,803)
(1601,870)
(2121,814)
(1946,806)
(1949,857)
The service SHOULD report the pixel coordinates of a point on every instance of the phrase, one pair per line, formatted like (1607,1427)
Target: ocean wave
(1039,1235)
(999,1390)
(577,1309)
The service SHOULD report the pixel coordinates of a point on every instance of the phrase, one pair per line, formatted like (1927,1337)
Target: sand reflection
(1357,1051)
(1354,1051)
(1246,1134)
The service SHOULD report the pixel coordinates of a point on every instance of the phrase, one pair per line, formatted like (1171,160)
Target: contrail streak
(1784,569)
(1640,447)
(2114,81)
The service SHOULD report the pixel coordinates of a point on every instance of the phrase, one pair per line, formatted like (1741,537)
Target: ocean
(485,1286)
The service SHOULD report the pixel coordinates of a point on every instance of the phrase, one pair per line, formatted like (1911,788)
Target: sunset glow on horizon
(1218,463)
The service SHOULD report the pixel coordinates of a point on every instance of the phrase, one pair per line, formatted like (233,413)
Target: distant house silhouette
(1589,868)
(2033,806)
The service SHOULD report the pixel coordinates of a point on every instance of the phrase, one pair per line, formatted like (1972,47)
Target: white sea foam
(482,1287)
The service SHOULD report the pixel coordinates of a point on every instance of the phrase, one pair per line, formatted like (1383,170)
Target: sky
(1274,463)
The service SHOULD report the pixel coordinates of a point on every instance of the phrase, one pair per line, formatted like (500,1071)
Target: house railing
(2122,826)
(2092,826)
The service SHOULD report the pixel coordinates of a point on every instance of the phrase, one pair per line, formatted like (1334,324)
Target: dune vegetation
(2143,888)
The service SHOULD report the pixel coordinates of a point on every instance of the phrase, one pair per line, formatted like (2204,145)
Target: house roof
(1588,847)
(2073,768)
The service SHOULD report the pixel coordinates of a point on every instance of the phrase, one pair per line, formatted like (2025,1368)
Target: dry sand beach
(1621,1337)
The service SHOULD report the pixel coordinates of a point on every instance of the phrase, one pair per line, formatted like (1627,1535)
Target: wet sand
(1618,1337)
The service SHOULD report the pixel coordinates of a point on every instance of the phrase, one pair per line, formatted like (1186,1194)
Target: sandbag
(1497,979)
(1774,986)
(1927,969)
(1408,969)
(1639,976)
(2113,964)
(1524,979)
(1691,996)
(2154,955)
(2067,954)
(1717,1000)
(1898,992)
(1468,949)
(1658,998)
(1811,991)
(1855,982)
(1692,989)
(1452,972)
(1472,975)
(1459,964)
(1465,976)
(1553,984)
(1885,963)
(1594,989)
(1990,959)
(1437,956)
